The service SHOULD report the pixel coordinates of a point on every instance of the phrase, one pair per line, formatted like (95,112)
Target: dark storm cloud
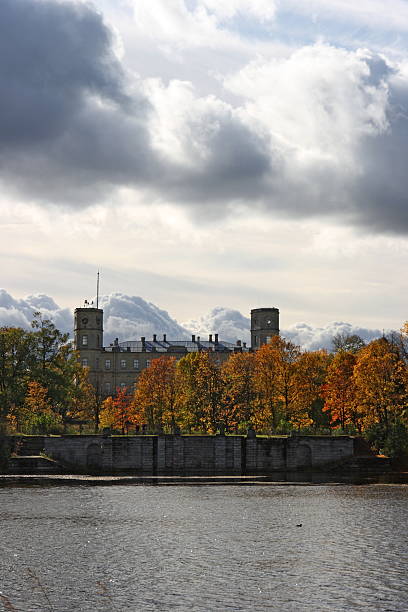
(51,55)
(71,131)
(66,121)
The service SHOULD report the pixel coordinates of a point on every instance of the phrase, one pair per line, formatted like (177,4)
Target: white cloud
(230,324)
(312,338)
(130,317)
(317,104)
(20,313)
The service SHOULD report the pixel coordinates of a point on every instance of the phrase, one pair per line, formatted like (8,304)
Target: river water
(208,548)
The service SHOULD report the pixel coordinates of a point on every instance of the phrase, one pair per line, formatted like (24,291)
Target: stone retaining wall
(170,454)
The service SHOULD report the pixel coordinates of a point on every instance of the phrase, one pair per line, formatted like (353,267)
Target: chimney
(116,343)
(192,337)
(143,339)
(154,337)
(238,342)
(244,344)
(210,338)
(198,339)
(216,338)
(164,338)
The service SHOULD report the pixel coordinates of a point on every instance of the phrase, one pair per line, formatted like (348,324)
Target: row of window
(123,364)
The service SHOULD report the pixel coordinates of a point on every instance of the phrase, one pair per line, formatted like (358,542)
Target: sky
(207,155)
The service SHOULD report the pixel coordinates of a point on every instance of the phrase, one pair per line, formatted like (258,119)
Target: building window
(123,363)
(107,364)
(122,385)
(84,363)
(148,362)
(136,364)
(84,340)
(107,387)
(268,339)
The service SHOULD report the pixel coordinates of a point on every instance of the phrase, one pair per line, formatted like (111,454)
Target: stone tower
(88,334)
(264,325)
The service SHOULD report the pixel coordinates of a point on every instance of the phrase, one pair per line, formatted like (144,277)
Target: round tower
(264,325)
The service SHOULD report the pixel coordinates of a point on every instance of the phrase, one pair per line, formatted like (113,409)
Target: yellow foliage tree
(381,380)
(154,401)
(239,393)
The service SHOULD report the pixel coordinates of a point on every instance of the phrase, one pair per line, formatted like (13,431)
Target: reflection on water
(204,548)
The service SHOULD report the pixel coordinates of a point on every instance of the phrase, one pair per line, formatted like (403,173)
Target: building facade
(119,364)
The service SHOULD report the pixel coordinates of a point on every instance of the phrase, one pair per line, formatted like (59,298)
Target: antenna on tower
(97,290)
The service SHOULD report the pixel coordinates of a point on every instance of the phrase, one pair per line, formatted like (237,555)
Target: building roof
(168,346)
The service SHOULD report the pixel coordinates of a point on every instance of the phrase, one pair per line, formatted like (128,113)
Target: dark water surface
(204,548)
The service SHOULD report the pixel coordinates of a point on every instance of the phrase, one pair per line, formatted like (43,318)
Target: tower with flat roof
(264,325)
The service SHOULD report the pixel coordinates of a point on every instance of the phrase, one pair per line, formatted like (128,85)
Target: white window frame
(148,363)
(107,364)
(135,364)
(85,340)
(85,363)
(123,364)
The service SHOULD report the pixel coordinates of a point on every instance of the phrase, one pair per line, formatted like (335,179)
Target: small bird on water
(299,525)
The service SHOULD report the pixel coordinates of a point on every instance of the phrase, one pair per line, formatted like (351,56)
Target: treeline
(43,388)
(358,389)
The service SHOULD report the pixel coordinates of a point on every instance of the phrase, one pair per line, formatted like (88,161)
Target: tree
(155,396)
(311,369)
(381,380)
(37,415)
(121,410)
(339,391)
(56,364)
(239,393)
(16,362)
(347,342)
(275,381)
(199,392)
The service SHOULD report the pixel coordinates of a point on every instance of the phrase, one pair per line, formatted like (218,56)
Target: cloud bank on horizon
(99,100)
(130,317)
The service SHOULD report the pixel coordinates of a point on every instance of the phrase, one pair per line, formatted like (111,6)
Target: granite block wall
(170,454)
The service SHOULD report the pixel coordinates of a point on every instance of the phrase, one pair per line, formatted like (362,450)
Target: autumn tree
(199,392)
(37,414)
(275,381)
(339,391)
(155,397)
(122,416)
(310,374)
(381,380)
(239,392)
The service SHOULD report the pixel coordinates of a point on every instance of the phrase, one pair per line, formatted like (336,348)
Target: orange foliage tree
(381,382)
(311,369)
(339,391)
(239,392)
(154,401)
(116,411)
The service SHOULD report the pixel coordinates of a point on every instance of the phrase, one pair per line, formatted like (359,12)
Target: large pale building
(119,365)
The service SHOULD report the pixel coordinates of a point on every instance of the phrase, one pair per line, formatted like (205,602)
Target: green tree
(17,359)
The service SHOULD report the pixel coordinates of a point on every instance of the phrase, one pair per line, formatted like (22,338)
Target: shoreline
(399,478)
